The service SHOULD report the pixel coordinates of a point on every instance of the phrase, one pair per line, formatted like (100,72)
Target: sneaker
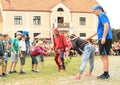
(88,74)
(32,70)
(0,76)
(14,71)
(5,75)
(76,77)
(103,76)
(10,72)
(21,72)
(36,71)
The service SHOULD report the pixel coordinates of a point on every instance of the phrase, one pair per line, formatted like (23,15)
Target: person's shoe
(14,71)
(21,72)
(88,74)
(10,72)
(76,77)
(0,76)
(36,71)
(4,75)
(32,70)
(103,76)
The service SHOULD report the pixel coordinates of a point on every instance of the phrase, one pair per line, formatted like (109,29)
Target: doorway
(60,19)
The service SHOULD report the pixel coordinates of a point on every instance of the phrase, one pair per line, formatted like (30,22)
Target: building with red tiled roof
(41,16)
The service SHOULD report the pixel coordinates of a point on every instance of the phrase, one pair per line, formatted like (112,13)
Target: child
(2,60)
(22,53)
(36,51)
(14,53)
(6,49)
(88,54)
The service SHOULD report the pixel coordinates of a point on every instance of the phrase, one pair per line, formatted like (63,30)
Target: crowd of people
(63,46)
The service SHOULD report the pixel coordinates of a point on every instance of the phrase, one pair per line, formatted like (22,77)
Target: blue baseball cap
(98,7)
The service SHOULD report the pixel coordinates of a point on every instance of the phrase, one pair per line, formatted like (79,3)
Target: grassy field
(46,76)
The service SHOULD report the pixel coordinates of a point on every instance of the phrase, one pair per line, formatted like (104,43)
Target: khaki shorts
(14,56)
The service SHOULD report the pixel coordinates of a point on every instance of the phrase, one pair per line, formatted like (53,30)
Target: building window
(82,20)
(18,20)
(82,34)
(60,10)
(36,20)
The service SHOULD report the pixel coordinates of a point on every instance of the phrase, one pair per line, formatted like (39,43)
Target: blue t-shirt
(102,19)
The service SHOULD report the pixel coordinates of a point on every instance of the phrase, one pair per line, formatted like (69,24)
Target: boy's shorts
(41,59)
(14,56)
(104,49)
(34,60)
(22,60)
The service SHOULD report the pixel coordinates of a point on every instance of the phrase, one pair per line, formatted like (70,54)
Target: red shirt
(60,42)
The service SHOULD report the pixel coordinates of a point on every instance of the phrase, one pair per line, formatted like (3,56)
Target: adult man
(104,33)
(60,44)
(14,54)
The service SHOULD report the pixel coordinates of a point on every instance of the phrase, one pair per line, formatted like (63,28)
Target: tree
(118,34)
(114,32)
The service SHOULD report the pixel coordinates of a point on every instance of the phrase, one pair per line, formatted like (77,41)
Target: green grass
(49,72)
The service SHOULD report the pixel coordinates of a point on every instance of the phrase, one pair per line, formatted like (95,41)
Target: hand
(103,41)
(87,39)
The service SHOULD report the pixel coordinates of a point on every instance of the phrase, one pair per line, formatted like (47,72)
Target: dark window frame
(82,21)
(17,20)
(60,9)
(36,20)
(82,34)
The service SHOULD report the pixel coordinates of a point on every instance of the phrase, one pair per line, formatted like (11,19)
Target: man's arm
(106,26)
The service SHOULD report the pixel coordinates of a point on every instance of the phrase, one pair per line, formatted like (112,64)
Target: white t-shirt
(22,44)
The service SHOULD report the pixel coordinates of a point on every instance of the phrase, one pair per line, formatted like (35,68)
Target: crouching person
(35,51)
(88,51)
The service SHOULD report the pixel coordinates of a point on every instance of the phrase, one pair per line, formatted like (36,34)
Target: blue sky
(113,11)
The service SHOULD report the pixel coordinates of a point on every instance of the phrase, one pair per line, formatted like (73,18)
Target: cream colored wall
(89,28)
(27,19)
(47,19)
(1,27)
(55,14)
(27,23)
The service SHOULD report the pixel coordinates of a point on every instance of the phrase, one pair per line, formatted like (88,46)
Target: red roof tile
(46,5)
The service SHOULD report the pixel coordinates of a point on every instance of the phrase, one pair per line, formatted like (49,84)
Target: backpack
(1,49)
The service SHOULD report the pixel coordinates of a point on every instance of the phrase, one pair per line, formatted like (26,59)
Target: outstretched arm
(91,36)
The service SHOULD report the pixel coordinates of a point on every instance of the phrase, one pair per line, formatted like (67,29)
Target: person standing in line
(2,59)
(104,33)
(60,44)
(14,53)
(22,53)
(6,50)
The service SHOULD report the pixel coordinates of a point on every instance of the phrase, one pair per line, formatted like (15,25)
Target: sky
(113,11)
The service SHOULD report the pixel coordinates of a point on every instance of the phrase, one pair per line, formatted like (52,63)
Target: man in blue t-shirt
(104,33)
